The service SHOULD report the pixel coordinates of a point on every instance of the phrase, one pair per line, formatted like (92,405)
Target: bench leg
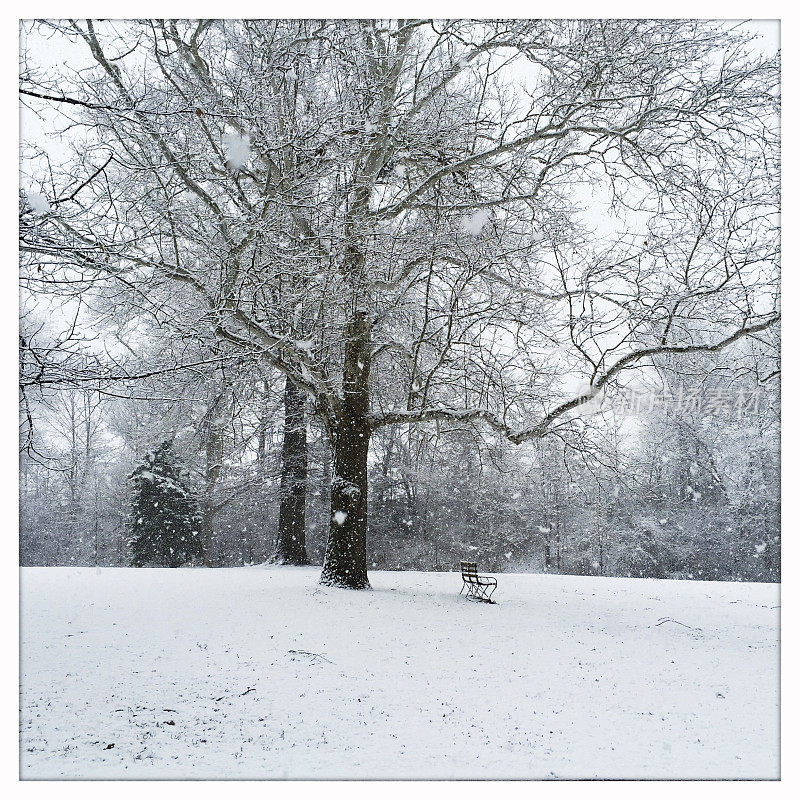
(484,593)
(478,592)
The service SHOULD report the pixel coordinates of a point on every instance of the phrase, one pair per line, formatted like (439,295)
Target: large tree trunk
(346,554)
(290,547)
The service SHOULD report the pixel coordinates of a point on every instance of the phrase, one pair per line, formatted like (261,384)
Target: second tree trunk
(290,547)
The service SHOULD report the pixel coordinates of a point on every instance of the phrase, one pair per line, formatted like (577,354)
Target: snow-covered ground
(261,672)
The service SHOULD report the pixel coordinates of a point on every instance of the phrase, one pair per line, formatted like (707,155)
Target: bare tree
(393,214)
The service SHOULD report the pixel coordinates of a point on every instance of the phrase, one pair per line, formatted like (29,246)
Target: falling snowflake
(237,151)
(339,517)
(476,222)
(39,204)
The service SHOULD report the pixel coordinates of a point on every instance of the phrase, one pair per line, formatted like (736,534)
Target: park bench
(479,587)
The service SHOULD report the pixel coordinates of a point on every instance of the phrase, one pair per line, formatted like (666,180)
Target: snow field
(262,673)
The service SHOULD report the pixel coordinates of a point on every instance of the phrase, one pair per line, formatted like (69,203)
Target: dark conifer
(164,520)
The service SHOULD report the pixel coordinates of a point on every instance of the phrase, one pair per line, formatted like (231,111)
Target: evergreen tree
(165,520)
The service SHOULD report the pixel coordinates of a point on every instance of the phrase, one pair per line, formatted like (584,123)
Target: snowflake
(237,151)
(476,222)
(39,204)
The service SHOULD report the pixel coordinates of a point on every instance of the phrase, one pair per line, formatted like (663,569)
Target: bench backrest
(469,569)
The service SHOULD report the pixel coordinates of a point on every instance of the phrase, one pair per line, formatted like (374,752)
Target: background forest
(657,494)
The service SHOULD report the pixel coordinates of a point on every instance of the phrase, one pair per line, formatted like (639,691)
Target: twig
(669,619)
(312,655)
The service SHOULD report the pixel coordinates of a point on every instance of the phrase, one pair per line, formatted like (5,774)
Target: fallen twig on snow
(311,655)
(677,622)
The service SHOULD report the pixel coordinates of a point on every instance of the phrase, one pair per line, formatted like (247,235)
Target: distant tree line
(691,496)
